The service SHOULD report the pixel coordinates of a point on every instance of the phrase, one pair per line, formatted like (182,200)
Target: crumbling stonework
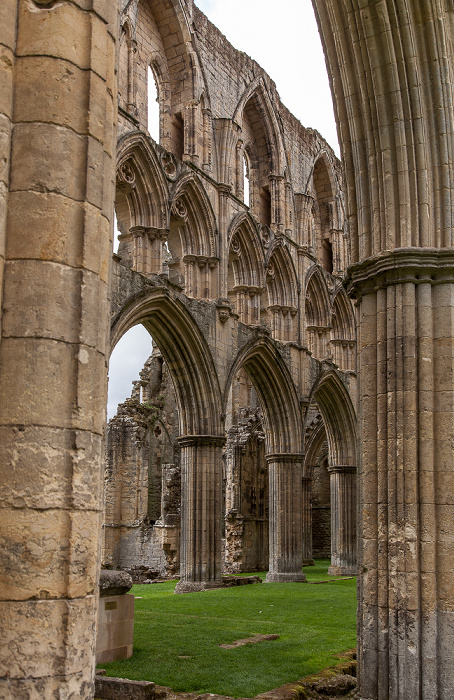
(142,490)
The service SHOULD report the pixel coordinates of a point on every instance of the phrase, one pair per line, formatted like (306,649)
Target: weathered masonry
(251,283)
(239,297)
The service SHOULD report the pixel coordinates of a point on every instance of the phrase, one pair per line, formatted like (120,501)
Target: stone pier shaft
(201,512)
(60,120)
(286,521)
(406,611)
(343,520)
(308,559)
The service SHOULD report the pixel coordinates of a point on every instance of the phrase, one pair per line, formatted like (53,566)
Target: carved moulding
(416,265)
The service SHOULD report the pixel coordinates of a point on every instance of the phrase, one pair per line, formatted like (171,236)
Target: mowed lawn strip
(176,638)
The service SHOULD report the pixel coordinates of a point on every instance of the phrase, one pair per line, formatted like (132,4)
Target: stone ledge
(122,689)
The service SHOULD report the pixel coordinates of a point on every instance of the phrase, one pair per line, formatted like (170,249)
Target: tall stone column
(201,512)
(224,192)
(406,365)
(306,511)
(54,342)
(343,520)
(285,519)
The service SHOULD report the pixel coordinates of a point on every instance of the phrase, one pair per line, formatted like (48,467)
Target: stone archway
(339,418)
(194,376)
(283,440)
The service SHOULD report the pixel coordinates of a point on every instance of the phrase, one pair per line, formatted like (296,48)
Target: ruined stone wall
(321,511)
(267,268)
(142,480)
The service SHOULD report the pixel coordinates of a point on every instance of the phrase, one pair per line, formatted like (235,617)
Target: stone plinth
(115,628)
(115,617)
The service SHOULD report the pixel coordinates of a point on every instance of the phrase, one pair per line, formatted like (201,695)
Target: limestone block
(96,169)
(6,80)
(97,247)
(72,459)
(62,31)
(5,139)
(49,90)
(45,158)
(73,687)
(101,114)
(114,583)
(122,689)
(54,316)
(8,11)
(67,315)
(444,479)
(51,221)
(48,554)
(31,391)
(90,413)
(107,11)
(94,318)
(103,53)
(35,631)
(108,191)
(369,520)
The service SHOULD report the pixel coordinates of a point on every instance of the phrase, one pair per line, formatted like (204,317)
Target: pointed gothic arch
(262,142)
(283,440)
(282,288)
(246,269)
(141,204)
(276,392)
(339,418)
(186,353)
(318,312)
(180,82)
(343,331)
(142,192)
(193,239)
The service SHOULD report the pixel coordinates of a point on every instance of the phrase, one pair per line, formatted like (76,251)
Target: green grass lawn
(176,637)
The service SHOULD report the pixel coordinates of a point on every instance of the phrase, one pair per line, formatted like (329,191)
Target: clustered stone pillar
(406,603)
(54,341)
(343,520)
(201,512)
(285,519)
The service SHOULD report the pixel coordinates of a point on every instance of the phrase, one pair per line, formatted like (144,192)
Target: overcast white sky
(283,38)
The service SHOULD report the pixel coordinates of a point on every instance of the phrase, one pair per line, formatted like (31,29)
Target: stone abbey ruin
(305,329)
(260,284)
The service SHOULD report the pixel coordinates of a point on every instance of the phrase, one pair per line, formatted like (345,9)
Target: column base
(297,577)
(194,586)
(308,562)
(342,571)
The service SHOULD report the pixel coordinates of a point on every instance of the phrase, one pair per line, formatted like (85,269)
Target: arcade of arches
(254,385)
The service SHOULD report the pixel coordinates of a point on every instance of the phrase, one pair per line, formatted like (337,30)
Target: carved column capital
(341,469)
(202,441)
(416,265)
